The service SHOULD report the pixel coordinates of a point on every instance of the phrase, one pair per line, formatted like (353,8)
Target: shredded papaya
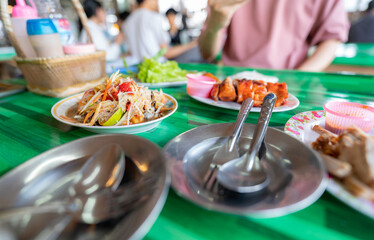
(88,115)
(106,90)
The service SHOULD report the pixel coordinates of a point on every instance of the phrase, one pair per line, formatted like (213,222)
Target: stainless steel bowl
(297,175)
(49,174)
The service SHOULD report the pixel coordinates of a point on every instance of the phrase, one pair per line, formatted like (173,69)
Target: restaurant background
(31,126)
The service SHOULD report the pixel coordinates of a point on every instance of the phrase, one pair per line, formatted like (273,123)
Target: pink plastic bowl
(79,49)
(199,86)
(341,115)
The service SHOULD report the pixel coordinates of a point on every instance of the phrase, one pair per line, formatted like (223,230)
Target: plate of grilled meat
(230,93)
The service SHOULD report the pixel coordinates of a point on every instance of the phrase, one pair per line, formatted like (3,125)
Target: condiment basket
(60,76)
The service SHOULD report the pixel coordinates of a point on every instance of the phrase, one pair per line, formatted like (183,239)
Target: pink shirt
(278,33)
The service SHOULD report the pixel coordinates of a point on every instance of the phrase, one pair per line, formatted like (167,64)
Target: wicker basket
(60,76)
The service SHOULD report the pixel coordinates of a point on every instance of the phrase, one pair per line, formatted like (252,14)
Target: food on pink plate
(349,157)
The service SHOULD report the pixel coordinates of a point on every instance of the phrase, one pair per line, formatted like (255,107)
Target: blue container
(44,37)
(40,26)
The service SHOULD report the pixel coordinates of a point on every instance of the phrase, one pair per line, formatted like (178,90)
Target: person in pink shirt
(274,34)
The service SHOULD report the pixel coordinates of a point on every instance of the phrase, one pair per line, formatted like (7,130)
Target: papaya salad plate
(118,105)
(300,126)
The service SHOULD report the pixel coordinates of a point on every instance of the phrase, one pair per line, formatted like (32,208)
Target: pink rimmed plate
(300,126)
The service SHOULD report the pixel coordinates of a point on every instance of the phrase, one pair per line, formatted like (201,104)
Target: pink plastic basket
(341,115)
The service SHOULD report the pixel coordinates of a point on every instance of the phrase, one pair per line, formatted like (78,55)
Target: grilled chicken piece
(227,92)
(212,77)
(280,89)
(259,92)
(214,92)
(244,88)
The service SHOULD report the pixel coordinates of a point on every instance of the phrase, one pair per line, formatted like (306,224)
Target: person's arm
(113,50)
(321,58)
(175,51)
(219,17)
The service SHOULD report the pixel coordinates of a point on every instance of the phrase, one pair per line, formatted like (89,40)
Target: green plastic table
(27,129)
(353,57)
(359,54)
(7,53)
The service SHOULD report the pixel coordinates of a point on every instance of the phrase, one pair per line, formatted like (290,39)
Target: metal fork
(229,149)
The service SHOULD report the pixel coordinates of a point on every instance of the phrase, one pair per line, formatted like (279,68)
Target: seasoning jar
(44,37)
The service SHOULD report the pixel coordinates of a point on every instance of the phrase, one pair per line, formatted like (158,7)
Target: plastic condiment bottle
(52,9)
(20,14)
(44,37)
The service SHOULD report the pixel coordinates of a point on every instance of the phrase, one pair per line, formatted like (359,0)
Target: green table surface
(356,54)
(27,129)
(7,53)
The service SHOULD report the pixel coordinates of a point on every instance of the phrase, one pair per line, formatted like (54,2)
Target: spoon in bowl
(246,174)
(229,149)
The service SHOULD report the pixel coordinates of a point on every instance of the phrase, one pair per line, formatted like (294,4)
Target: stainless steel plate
(47,176)
(298,177)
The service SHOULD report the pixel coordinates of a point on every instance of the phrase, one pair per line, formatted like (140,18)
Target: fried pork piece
(357,148)
(353,146)
(327,143)
(214,92)
(227,92)
(357,188)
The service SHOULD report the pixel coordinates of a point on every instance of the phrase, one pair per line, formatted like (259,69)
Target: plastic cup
(341,115)
(199,86)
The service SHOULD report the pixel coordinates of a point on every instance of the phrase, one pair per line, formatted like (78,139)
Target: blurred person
(363,30)
(174,30)
(101,39)
(146,35)
(121,21)
(274,33)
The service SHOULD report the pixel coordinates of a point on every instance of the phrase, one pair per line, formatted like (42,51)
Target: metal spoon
(102,171)
(246,174)
(229,149)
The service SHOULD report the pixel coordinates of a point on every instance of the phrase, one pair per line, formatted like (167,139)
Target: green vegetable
(152,71)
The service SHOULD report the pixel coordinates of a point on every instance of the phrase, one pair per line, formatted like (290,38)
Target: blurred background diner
(362,31)
(325,36)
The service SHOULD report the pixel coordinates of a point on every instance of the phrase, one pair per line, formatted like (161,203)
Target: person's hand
(221,11)
(120,38)
(193,43)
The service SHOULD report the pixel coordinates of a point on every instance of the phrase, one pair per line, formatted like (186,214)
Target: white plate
(61,107)
(300,127)
(162,84)
(292,102)
(254,75)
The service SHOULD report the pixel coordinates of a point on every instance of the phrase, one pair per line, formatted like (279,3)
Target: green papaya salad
(119,101)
